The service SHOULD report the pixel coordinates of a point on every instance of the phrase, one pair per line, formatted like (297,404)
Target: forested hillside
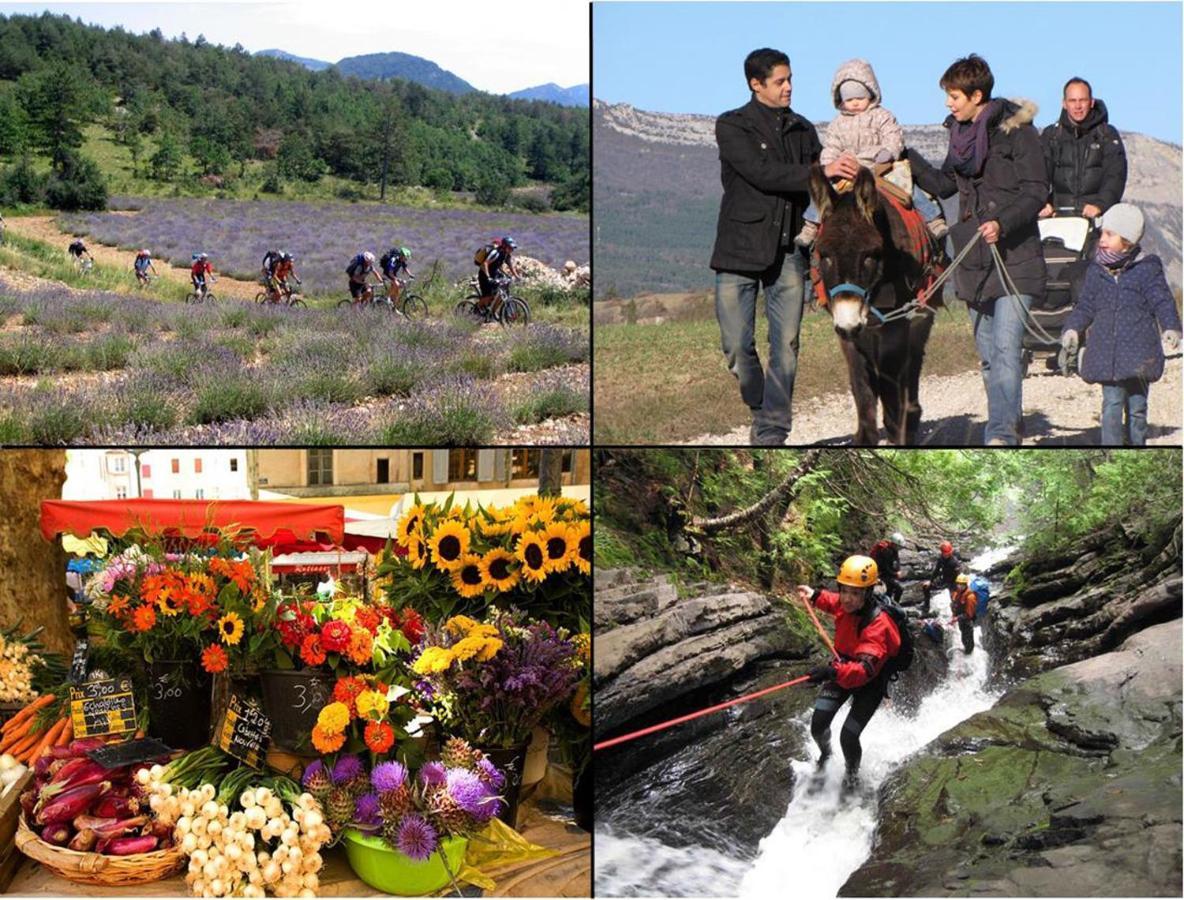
(189,111)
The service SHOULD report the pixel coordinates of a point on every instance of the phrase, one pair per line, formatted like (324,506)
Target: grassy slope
(659,383)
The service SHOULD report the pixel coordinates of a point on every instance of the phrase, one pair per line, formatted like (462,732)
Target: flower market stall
(221,733)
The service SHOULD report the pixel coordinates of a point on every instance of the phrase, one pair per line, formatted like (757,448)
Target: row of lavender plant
(325,236)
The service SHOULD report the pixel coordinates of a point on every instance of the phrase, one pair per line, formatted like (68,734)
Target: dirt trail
(1058,411)
(43,228)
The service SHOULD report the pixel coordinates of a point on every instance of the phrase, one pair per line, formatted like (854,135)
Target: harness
(920,247)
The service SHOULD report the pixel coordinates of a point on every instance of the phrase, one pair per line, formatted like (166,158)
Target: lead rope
(918,306)
(1031,326)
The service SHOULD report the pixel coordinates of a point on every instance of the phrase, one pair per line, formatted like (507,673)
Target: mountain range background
(381,66)
(656,191)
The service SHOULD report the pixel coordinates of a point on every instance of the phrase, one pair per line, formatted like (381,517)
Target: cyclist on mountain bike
(201,268)
(491,258)
(394,262)
(78,250)
(270,258)
(141,266)
(283,269)
(357,270)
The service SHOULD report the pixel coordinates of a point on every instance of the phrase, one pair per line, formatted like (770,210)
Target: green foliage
(494,190)
(296,160)
(166,161)
(22,184)
(76,184)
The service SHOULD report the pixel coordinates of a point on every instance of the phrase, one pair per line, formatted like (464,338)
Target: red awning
(262,522)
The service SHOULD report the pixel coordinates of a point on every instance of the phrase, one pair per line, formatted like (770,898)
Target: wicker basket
(97,868)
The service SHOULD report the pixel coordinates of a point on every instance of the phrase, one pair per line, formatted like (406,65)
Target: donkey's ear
(821,192)
(867,199)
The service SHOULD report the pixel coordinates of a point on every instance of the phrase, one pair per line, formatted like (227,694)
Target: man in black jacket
(995,163)
(1084,156)
(765,152)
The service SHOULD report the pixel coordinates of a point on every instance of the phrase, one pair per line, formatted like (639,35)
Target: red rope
(612,742)
(821,630)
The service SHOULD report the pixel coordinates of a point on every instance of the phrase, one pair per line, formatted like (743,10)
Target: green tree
(166,161)
(22,184)
(211,157)
(14,125)
(54,99)
(295,159)
(493,189)
(76,184)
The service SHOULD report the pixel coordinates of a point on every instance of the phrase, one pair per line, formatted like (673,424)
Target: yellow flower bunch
(333,718)
(433,660)
(372,705)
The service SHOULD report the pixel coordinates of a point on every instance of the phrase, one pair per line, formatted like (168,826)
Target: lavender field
(325,236)
(89,367)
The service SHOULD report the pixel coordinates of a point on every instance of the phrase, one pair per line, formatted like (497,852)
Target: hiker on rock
(995,164)
(964,605)
(765,153)
(944,575)
(1083,156)
(886,553)
(866,641)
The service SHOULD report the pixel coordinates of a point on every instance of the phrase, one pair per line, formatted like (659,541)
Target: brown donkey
(866,270)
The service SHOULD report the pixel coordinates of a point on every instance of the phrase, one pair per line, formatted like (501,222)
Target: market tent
(263,523)
(318,562)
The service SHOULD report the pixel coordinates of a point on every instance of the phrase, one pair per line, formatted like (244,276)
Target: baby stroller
(1068,242)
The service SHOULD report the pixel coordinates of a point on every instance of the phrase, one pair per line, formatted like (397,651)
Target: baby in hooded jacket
(871,134)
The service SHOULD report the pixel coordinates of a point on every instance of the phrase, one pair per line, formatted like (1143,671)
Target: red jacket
(863,647)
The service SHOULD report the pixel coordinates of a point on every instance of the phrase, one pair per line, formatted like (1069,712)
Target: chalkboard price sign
(103,707)
(244,732)
(78,663)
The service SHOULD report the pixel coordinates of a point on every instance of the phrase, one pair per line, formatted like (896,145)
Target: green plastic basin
(390,871)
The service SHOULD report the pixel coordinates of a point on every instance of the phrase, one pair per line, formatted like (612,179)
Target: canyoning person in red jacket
(866,638)
(964,604)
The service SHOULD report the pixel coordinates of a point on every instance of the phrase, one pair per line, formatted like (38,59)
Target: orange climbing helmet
(858,571)
(947,549)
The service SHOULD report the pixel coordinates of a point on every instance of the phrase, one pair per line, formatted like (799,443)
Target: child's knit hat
(852,90)
(1125,220)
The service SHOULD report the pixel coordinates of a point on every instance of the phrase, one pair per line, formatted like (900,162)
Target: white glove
(1069,341)
(1171,341)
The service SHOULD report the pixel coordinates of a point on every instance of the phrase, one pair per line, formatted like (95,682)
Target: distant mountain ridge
(423,71)
(656,190)
(315,65)
(576,95)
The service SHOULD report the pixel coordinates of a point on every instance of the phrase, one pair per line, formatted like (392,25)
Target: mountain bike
(504,309)
(412,306)
(202,294)
(285,295)
(144,279)
(369,298)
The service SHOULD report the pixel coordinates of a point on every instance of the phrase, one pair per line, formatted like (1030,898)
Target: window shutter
(500,460)
(485,464)
(440,467)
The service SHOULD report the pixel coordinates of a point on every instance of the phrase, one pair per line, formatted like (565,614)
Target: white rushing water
(819,842)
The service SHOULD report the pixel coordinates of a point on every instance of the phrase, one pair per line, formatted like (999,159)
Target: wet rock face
(1069,786)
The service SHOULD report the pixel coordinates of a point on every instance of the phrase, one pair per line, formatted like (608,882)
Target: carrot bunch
(25,739)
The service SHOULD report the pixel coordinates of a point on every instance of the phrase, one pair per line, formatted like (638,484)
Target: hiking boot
(938,228)
(806,236)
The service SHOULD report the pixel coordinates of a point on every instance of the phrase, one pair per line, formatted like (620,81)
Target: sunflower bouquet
(535,555)
(160,605)
(491,682)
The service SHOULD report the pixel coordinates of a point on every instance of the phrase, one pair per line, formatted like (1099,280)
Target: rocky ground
(1058,411)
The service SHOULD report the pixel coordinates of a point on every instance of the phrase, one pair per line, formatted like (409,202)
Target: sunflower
(230,628)
(580,534)
(559,547)
(492,528)
(532,553)
(544,511)
(409,525)
(573,508)
(144,618)
(214,659)
(417,552)
(449,545)
(170,602)
(496,570)
(467,578)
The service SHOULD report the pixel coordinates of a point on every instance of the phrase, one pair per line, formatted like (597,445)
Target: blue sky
(689,57)
(535,42)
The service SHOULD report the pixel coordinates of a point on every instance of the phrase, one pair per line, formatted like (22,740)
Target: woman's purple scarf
(1116,259)
(968,143)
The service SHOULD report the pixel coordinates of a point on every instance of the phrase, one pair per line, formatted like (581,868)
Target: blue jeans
(1129,397)
(999,337)
(769,391)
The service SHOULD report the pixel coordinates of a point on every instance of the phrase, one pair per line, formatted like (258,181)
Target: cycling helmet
(203,256)
(368,256)
(405,253)
(286,256)
(145,253)
(509,242)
